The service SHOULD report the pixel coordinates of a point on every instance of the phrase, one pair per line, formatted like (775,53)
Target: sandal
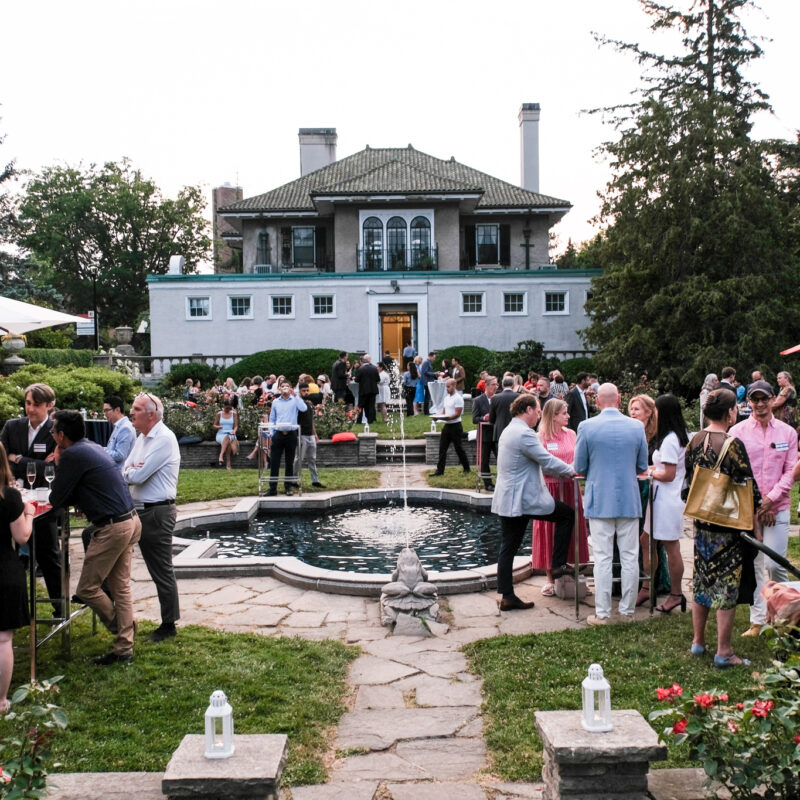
(549,589)
(643,597)
(665,609)
(723,662)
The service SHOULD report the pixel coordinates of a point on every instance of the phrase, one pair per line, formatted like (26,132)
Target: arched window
(373,243)
(420,241)
(396,242)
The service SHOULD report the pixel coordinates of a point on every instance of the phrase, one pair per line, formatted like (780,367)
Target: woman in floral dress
(559,441)
(723,562)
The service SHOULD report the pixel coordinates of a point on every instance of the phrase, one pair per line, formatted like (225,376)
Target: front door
(397,330)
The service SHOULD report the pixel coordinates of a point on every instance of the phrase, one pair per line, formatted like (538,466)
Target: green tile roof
(394,170)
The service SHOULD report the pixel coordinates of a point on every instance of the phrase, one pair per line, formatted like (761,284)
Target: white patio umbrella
(18,317)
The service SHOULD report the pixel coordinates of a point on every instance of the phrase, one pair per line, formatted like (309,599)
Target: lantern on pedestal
(596,693)
(219,727)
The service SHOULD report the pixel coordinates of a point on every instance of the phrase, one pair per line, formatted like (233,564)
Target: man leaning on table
(151,472)
(88,479)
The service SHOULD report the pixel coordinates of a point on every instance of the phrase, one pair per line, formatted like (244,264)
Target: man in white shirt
(123,436)
(452,432)
(152,475)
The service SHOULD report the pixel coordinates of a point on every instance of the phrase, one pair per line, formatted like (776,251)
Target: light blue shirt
(121,442)
(610,452)
(284,412)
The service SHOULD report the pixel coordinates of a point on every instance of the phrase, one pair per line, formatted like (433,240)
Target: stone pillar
(367,449)
(611,765)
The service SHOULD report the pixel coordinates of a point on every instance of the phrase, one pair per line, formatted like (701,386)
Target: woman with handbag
(226,423)
(723,564)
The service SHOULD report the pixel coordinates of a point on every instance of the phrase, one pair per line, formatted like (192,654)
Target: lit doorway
(398,328)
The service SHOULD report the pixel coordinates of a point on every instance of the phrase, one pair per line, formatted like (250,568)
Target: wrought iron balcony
(382,259)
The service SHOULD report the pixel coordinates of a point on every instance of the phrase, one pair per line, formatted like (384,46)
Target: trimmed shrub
(473,359)
(207,375)
(527,356)
(57,358)
(289,363)
(570,367)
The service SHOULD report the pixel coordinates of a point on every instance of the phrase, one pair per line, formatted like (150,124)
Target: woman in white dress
(668,473)
(384,392)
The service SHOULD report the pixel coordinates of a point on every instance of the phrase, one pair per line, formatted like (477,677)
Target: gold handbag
(716,499)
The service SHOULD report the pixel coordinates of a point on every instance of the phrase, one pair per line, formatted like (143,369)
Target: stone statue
(409,592)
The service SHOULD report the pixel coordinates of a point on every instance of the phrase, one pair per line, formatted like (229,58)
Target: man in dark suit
(29,440)
(339,377)
(500,413)
(367,380)
(481,411)
(577,405)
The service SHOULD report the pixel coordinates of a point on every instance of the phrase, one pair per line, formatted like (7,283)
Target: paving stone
(376,767)
(260,583)
(469,635)
(283,595)
(351,790)
(226,595)
(472,605)
(379,729)
(408,625)
(526,790)
(314,634)
(361,632)
(472,729)
(319,601)
(337,616)
(304,619)
(260,616)
(392,648)
(438,628)
(436,791)
(191,586)
(446,759)
(442,692)
(439,664)
(105,785)
(680,784)
(368,669)
(379,697)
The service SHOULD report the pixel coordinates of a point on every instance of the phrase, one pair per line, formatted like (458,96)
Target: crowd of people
(744,436)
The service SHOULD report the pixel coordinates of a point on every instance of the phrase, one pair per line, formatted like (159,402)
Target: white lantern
(596,693)
(219,727)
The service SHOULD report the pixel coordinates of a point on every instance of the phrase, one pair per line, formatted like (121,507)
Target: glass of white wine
(30,473)
(49,474)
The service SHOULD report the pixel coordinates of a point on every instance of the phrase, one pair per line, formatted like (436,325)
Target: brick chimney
(317,148)
(529,146)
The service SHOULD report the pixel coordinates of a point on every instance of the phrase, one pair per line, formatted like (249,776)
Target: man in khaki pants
(88,478)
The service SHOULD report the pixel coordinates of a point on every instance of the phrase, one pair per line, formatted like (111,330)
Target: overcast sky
(202,92)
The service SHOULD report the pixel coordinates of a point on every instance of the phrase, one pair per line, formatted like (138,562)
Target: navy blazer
(14,438)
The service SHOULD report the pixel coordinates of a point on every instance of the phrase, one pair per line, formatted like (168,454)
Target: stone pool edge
(197,558)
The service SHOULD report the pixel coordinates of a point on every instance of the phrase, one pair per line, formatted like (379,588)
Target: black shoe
(467,470)
(214,464)
(318,485)
(272,493)
(113,658)
(435,474)
(489,486)
(164,631)
(514,604)
(289,492)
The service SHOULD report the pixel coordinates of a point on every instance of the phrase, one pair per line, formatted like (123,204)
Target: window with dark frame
(486,244)
(303,247)
(472,303)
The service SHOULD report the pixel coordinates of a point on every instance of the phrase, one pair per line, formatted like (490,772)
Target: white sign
(85,328)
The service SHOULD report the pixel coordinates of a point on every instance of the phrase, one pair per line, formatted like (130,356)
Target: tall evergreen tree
(699,263)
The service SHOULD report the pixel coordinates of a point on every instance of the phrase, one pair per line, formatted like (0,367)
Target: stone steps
(390,451)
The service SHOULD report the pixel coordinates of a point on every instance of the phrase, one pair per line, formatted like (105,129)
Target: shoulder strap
(728,442)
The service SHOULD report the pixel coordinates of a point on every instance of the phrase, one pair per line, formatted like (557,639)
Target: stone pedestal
(597,766)
(253,772)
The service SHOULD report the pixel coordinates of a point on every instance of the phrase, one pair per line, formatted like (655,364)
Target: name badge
(552,446)
(781,445)
(40,447)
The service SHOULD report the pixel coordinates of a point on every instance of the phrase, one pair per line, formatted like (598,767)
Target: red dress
(562,446)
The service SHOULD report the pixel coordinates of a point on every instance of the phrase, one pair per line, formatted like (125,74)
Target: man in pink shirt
(772,449)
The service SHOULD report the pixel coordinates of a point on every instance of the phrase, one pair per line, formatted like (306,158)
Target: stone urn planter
(123,334)
(13,342)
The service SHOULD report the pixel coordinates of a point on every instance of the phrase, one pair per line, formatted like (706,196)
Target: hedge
(570,367)
(290,363)
(57,358)
(473,359)
(197,371)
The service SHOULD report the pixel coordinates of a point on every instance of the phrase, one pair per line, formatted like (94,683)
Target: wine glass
(30,473)
(49,474)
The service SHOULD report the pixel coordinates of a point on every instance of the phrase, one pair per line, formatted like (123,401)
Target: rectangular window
(198,308)
(514,303)
(472,303)
(556,303)
(323,305)
(240,307)
(303,247)
(486,244)
(282,306)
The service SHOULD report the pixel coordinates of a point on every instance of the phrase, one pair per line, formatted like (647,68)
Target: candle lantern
(596,693)
(219,727)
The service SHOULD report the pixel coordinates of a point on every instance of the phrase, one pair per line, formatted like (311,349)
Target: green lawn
(132,717)
(195,485)
(414,427)
(523,674)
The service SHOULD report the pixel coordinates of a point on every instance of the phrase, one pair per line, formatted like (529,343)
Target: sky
(203,92)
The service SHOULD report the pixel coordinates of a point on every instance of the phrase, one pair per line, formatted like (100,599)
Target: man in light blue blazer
(611,451)
(521,495)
